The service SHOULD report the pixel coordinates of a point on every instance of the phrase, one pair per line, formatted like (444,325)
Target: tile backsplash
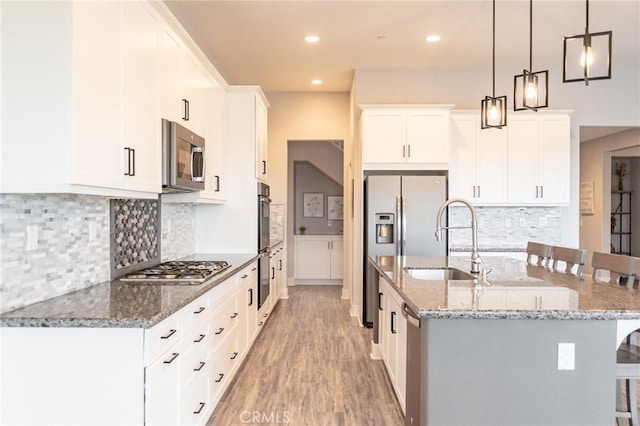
(178,230)
(506,227)
(72,249)
(135,235)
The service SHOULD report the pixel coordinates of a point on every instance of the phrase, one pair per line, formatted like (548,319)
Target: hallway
(310,366)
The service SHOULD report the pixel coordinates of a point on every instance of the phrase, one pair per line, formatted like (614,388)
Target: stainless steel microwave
(183,161)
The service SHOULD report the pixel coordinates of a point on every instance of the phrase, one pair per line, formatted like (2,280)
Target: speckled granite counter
(507,291)
(120,304)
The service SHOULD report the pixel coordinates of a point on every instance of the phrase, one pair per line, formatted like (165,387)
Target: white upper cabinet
(405,135)
(261,140)
(91,126)
(478,167)
(539,158)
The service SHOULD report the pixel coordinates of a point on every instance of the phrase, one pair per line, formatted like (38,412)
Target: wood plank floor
(310,365)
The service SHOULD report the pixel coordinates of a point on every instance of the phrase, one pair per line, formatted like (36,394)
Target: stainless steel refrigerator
(400,217)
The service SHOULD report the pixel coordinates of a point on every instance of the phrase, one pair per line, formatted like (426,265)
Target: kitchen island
(521,346)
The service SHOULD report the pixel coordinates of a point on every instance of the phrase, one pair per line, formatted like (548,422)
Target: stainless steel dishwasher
(414,371)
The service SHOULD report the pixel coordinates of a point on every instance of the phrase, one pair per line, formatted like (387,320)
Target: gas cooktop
(179,272)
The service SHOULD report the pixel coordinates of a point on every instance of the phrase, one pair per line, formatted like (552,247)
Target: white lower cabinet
(319,257)
(392,335)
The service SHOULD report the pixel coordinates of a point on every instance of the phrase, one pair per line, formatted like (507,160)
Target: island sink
(449,274)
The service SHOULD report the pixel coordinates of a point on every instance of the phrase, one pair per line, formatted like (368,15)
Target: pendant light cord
(494,48)
(530,35)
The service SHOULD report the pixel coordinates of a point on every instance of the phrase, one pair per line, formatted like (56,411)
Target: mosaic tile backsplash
(506,227)
(178,230)
(276,223)
(72,250)
(135,232)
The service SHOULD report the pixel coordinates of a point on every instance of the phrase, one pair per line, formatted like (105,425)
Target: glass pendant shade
(531,90)
(587,57)
(493,112)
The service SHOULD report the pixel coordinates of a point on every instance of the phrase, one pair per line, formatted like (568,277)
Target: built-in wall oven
(264,243)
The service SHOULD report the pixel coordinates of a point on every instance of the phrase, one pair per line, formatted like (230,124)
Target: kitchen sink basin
(447,274)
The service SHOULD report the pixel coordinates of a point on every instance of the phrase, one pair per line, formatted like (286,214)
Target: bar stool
(628,354)
(541,252)
(569,257)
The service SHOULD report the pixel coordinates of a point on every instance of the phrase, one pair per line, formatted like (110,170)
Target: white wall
(297,117)
(595,161)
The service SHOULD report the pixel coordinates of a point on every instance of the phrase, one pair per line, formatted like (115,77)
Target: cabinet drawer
(195,365)
(195,313)
(161,337)
(196,405)
(224,320)
(223,291)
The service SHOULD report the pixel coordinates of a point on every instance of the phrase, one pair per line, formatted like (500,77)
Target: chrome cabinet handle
(541,191)
(235,314)
(474,191)
(199,311)
(280,267)
(244,276)
(220,330)
(264,167)
(479,191)
(250,296)
(537,191)
(217,183)
(380,301)
(199,410)
(173,357)
(393,323)
(253,269)
(220,376)
(199,339)
(131,162)
(235,355)
(404,151)
(408,151)
(169,334)
(202,364)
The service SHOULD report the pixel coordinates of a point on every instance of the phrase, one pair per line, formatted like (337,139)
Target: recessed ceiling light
(433,38)
(312,39)
(316,82)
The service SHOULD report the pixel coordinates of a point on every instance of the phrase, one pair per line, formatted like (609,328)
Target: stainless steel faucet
(476,262)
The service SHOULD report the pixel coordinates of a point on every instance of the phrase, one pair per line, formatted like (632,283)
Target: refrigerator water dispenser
(384,228)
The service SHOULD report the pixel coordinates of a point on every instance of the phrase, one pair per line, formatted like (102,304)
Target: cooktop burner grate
(186,271)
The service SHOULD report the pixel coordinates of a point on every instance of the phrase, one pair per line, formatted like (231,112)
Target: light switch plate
(566,356)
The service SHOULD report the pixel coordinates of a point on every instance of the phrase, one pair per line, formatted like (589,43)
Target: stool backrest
(619,266)
(571,259)
(541,252)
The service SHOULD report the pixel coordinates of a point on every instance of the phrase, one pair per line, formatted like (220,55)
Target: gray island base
(491,351)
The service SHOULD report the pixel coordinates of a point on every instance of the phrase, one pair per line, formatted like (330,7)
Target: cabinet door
(192,82)
(427,137)
(383,136)
(313,258)
(170,81)
(337,255)
(462,168)
(97,94)
(140,119)
(523,160)
(383,324)
(162,390)
(401,360)
(261,140)
(555,145)
(491,166)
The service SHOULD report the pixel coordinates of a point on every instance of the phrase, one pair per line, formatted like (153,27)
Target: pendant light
(531,89)
(587,56)
(493,110)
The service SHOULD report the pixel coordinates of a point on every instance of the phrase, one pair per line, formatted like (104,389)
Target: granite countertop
(121,304)
(488,249)
(513,290)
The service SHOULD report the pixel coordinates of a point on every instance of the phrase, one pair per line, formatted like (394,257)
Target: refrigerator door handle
(403,223)
(398,231)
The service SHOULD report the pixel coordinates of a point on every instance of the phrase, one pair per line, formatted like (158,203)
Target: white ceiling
(261,42)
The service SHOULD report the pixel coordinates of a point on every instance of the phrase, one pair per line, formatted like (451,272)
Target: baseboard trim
(375,351)
(318,282)
(345,293)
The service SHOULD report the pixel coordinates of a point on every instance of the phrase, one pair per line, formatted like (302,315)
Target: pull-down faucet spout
(475,258)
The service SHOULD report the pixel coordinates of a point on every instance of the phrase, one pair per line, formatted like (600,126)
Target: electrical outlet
(507,222)
(523,222)
(543,221)
(566,356)
(32,237)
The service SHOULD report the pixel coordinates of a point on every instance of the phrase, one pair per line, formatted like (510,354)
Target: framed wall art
(313,204)
(335,207)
